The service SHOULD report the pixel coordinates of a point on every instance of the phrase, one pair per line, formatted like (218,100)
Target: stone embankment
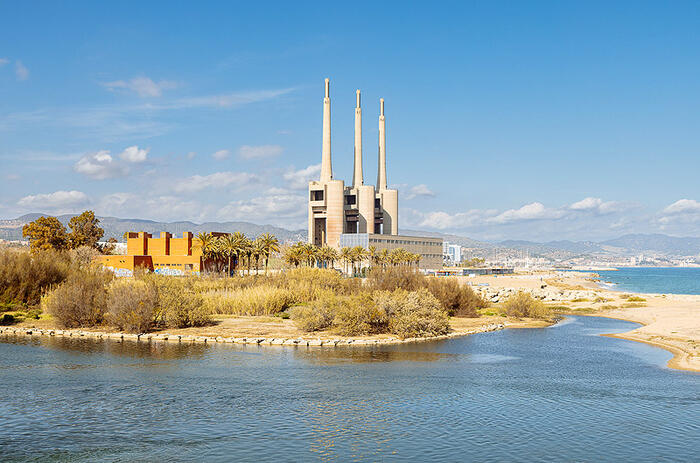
(546,294)
(315,342)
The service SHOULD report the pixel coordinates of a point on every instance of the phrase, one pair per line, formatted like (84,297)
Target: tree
(46,233)
(205,244)
(229,249)
(270,245)
(258,252)
(85,230)
(346,257)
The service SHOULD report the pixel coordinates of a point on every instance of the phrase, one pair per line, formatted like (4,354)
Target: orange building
(165,255)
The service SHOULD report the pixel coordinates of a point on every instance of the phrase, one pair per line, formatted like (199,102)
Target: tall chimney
(326,169)
(357,179)
(381,171)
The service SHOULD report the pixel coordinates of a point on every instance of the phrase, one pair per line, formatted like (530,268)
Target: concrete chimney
(357,179)
(326,169)
(381,171)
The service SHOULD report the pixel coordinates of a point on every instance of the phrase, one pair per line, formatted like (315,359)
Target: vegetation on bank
(75,293)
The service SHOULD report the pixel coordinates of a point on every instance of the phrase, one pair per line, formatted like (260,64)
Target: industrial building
(340,215)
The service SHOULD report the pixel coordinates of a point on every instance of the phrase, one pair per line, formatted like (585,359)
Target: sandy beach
(670,321)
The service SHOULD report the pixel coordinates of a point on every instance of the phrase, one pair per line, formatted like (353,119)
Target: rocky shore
(273,341)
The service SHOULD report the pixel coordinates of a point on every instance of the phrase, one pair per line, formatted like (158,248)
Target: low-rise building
(164,255)
(429,249)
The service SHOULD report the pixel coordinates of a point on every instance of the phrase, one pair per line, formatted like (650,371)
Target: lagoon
(562,393)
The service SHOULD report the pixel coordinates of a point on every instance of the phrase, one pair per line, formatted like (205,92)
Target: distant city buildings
(451,253)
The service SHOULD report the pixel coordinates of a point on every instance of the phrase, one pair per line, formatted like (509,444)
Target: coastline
(460,327)
(668,321)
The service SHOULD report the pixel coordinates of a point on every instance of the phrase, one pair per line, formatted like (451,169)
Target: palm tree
(359,254)
(346,256)
(240,240)
(258,251)
(384,257)
(246,247)
(293,255)
(373,255)
(331,255)
(205,243)
(229,248)
(270,245)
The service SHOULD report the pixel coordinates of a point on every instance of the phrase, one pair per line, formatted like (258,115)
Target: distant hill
(657,243)
(115,227)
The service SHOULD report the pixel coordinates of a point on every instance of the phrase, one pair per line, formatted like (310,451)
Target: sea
(660,280)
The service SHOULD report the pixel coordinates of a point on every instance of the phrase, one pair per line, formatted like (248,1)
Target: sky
(505,120)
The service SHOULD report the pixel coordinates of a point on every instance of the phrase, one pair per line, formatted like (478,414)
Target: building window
(350,199)
(317,195)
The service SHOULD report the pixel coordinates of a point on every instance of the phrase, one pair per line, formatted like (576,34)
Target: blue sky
(505,120)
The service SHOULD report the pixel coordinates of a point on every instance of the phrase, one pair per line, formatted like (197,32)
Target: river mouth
(562,393)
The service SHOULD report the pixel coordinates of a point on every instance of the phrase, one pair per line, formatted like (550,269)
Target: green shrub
(34,314)
(359,315)
(316,316)
(636,299)
(524,305)
(633,305)
(131,305)
(457,299)
(80,300)
(580,299)
(7,319)
(608,307)
(413,313)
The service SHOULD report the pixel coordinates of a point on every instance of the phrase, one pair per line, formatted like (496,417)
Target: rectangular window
(350,200)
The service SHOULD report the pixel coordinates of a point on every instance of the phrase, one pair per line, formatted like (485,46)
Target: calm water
(674,280)
(555,394)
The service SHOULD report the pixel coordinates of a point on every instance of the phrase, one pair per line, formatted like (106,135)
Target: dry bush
(83,256)
(25,276)
(636,299)
(457,299)
(255,300)
(391,278)
(413,313)
(359,315)
(131,305)
(80,300)
(179,306)
(524,305)
(316,316)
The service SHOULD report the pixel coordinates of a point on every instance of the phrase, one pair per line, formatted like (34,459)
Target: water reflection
(501,396)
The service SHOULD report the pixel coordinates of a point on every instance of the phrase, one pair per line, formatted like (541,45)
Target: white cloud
(299,179)
(418,190)
(134,154)
(100,165)
(4,61)
(162,207)
(21,71)
(259,152)
(142,86)
(227,100)
(532,211)
(597,205)
(683,206)
(274,206)
(442,220)
(221,155)
(191,155)
(57,201)
(216,180)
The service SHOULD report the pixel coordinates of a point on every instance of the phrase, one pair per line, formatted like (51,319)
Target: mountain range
(11,229)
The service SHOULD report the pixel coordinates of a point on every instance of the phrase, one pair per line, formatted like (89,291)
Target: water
(674,280)
(555,394)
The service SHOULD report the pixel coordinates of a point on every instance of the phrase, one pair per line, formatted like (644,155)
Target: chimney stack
(326,169)
(357,179)
(381,171)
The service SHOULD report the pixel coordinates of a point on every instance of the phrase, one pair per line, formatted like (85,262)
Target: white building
(451,253)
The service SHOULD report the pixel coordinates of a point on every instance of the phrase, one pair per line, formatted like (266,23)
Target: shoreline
(307,341)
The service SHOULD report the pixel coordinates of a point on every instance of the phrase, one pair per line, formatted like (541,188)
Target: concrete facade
(340,215)
(335,208)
